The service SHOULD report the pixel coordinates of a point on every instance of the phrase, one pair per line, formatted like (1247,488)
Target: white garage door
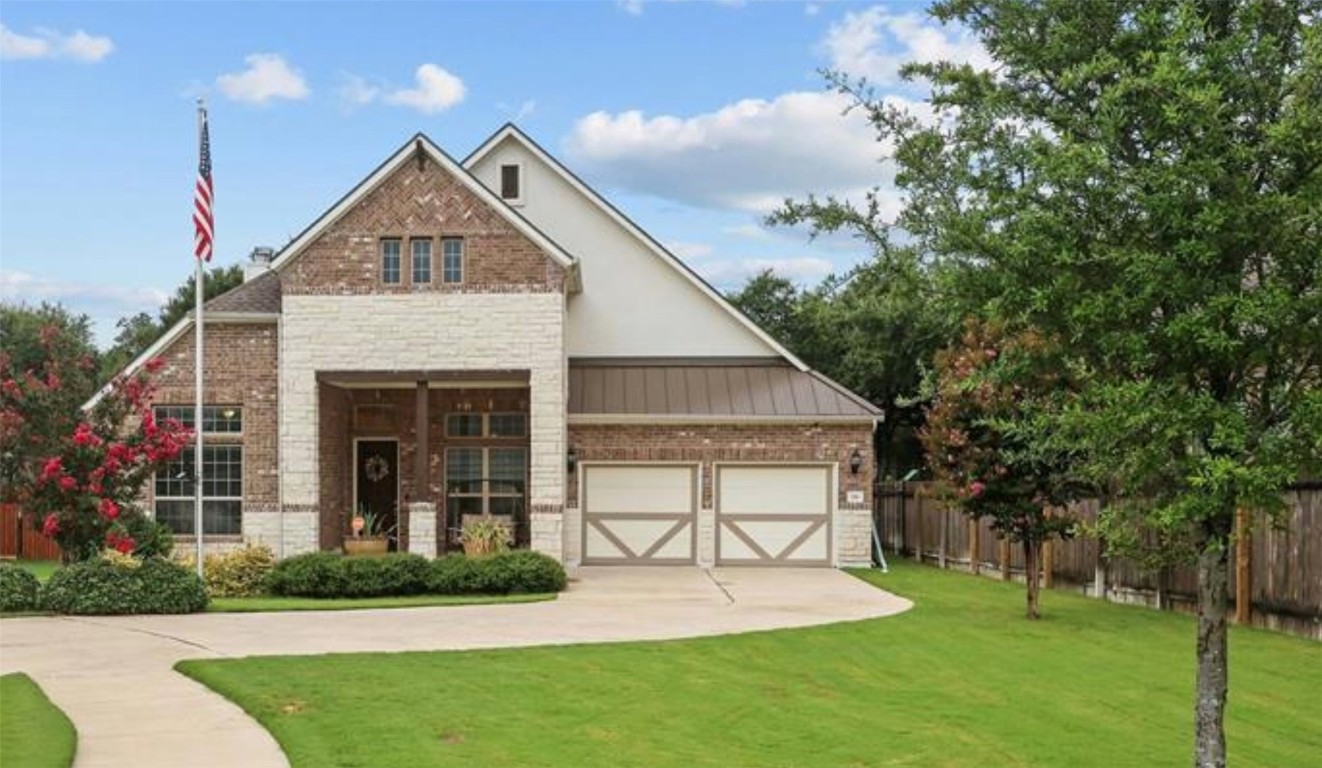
(639,513)
(773,515)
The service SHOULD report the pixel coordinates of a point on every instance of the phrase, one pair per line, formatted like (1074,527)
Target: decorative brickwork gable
(424,202)
(241,370)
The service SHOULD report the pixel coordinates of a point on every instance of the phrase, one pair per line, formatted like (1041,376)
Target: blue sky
(695,118)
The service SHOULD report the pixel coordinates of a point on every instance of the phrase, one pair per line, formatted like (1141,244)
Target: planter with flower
(485,535)
(368,534)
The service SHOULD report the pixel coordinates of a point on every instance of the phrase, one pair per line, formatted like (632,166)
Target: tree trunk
(1213,664)
(1031,550)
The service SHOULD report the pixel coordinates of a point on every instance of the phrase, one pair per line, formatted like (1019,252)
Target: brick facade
(421,203)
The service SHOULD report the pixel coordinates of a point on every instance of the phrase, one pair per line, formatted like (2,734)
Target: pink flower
(120,543)
(83,435)
(51,469)
(50,526)
(109,509)
(68,483)
(976,488)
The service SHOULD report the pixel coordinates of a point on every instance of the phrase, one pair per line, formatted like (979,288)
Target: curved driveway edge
(113,676)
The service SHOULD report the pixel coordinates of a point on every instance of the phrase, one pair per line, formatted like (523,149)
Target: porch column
(422,510)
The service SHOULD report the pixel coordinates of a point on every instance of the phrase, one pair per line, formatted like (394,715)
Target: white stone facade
(425,331)
(422,528)
(287,534)
(853,537)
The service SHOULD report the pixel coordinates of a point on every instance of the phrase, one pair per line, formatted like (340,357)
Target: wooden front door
(376,482)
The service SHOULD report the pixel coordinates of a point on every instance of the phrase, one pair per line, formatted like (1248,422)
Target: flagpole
(198,279)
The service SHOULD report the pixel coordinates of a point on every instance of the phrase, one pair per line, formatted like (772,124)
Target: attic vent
(421,155)
(511,183)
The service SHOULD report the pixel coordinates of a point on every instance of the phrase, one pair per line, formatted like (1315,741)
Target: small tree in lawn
(87,490)
(982,444)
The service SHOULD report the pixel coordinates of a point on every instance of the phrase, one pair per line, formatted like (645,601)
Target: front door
(376,472)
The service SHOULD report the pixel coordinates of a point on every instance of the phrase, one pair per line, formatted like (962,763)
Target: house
(491,336)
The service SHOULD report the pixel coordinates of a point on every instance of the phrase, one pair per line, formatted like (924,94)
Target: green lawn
(263,604)
(961,680)
(34,733)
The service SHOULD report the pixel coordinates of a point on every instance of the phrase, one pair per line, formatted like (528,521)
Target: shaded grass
(960,680)
(267,603)
(34,733)
(42,569)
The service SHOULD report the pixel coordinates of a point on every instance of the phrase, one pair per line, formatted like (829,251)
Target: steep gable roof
(512,132)
(421,143)
(261,294)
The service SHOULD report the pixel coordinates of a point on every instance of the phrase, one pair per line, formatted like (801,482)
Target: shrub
(100,587)
(521,571)
(316,574)
(394,574)
(18,588)
(153,539)
(238,573)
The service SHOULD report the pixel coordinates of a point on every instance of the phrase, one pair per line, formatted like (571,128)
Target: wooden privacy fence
(1275,580)
(22,538)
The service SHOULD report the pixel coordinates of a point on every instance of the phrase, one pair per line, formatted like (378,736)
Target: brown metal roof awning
(715,388)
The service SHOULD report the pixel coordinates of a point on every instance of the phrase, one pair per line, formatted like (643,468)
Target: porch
(420,453)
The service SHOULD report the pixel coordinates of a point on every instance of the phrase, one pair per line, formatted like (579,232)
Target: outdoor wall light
(855,462)
(572,458)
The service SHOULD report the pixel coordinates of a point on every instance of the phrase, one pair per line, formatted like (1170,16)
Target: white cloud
(800,269)
(748,231)
(812,9)
(875,43)
(50,44)
(437,90)
(357,91)
(103,303)
(749,155)
(267,77)
(631,7)
(690,251)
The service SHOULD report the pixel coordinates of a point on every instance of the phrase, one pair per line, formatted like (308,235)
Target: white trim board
(511,131)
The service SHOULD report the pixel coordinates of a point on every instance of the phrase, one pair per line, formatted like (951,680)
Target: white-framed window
(222,491)
(483,480)
(511,183)
(390,260)
(452,259)
(216,419)
(421,252)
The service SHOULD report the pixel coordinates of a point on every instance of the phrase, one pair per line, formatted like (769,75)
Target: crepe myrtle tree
(85,492)
(991,388)
(1142,180)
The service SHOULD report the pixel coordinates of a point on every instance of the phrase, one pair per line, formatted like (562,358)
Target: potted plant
(485,535)
(367,534)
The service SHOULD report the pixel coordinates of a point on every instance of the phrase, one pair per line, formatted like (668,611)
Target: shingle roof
(698,388)
(258,295)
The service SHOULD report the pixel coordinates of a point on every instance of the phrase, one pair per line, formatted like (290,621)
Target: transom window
(452,259)
(486,425)
(390,261)
(222,491)
(421,260)
(216,419)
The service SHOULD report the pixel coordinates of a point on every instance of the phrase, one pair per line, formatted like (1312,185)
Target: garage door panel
(773,515)
(774,490)
(639,513)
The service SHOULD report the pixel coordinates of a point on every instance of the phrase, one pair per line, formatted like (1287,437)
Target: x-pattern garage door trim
(631,555)
(730,521)
(681,520)
(816,522)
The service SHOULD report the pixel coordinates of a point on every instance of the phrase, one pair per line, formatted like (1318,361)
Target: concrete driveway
(113,676)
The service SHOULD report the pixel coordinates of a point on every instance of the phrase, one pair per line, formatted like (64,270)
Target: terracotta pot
(371,545)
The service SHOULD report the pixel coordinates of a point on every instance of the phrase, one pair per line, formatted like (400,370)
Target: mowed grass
(960,680)
(34,733)
(264,604)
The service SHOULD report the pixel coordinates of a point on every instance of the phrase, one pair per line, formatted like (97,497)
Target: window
(222,491)
(511,183)
(486,425)
(216,419)
(421,260)
(390,261)
(484,481)
(452,259)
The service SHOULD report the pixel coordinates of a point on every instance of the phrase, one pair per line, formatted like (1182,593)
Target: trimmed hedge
(99,587)
(19,589)
(328,574)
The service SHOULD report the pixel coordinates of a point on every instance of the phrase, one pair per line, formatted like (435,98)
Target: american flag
(202,216)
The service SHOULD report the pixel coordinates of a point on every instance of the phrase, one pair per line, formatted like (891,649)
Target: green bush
(100,587)
(521,571)
(316,574)
(19,589)
(153,539)
(238,573)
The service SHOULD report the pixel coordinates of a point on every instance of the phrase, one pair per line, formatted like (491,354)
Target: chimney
(259,262)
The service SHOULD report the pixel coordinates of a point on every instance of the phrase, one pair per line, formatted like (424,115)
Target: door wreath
(376,469)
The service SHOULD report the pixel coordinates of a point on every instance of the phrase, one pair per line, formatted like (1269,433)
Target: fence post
(975,552)
(918,520)
(1005,559)
(1243,568)
(1048,564)
(945,537)
(1099,571)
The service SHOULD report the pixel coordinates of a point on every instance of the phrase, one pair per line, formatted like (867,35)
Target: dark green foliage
(316,574)
(329,574)
(18,588)
(153,539)
(99,587)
